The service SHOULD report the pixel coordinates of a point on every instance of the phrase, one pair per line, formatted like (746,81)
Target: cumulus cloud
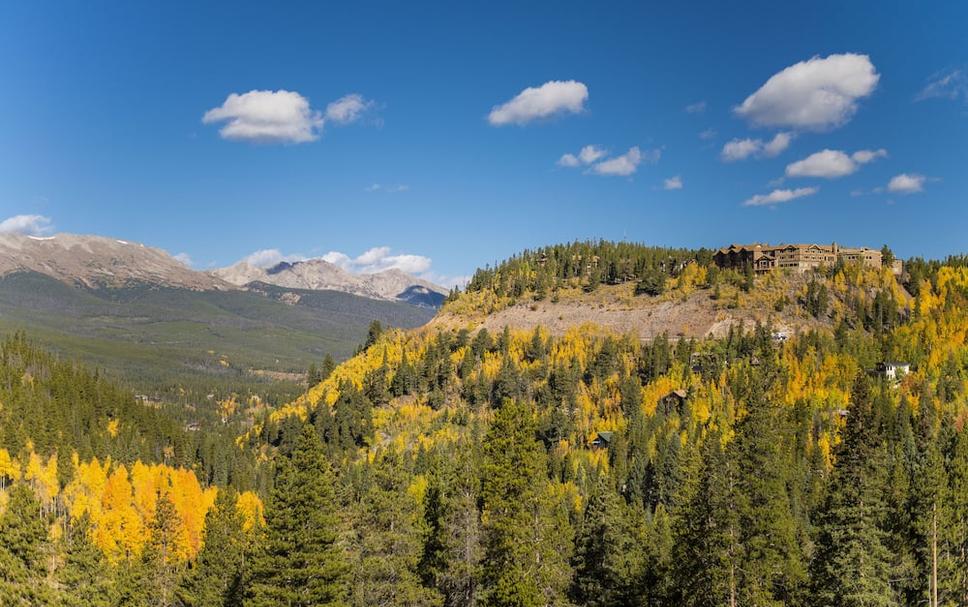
(281,116)
(741,149)
(627,163)
(696,108)
(591,153)
(587,155)
(348,109)
(378,259)
(31,225)
(952,84)
(778,196)
(906,183)
(266,258)
(267,116)
(549,99)
(831,164)
(672,183)
(817,94)
(569,160)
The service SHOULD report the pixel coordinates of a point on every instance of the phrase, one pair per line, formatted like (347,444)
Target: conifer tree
(159,560)
(609,558)
(217,577)
(83,576)
(523,564)
(387,540)
(851,566)
(23,539)
(299,562)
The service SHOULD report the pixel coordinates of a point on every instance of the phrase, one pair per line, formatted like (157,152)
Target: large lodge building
(763,258)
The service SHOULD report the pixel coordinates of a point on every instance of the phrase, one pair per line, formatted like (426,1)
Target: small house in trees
(780,337)
(894,371)
(603,440)
(673,402)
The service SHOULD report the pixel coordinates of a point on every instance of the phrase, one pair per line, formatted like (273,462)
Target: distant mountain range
(99,262)
(136,310)
(317,274)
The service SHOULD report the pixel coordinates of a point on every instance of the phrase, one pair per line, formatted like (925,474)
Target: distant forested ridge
(462,466)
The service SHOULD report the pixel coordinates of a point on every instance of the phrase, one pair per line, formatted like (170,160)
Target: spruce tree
(23,540)
(524,559)
(299,562)
(159,560)
(217,577)
(83,576)
(851,565)
(609,556)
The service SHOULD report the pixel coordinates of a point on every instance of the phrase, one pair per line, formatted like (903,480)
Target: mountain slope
(318,274)
(95,261)
(153,334)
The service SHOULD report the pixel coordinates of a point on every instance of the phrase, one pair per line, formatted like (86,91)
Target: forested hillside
(454,465)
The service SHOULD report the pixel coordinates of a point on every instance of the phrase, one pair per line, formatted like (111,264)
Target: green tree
(388,539)
(524,562)
(852,565)
(217,578)
(83,576)
(609,556)
(159,560)
(23,542)
(299,562)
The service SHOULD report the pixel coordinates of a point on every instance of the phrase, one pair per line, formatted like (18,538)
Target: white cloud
(591,153)
(378,259)
(777,196)
(696,108)
(831,164)
(906,183)
(623,165)
(865,156)
(392,189)
(817,94)
(184,259)
(266,258)
(569,160)
(32,225)
(952,84)
(779,143)
(348,108)
(708,134)
(554,97)
(267,116)
(672,183)
(741,149)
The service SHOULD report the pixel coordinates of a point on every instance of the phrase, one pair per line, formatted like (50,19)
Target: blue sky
(102,130)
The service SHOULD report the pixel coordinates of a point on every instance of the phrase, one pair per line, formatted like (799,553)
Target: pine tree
(217,578)
(388,541)
(609,556)
(83,576)
(523,562)
(159,560)
(851,566)
(772,568)
(299,562)
(23,540)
